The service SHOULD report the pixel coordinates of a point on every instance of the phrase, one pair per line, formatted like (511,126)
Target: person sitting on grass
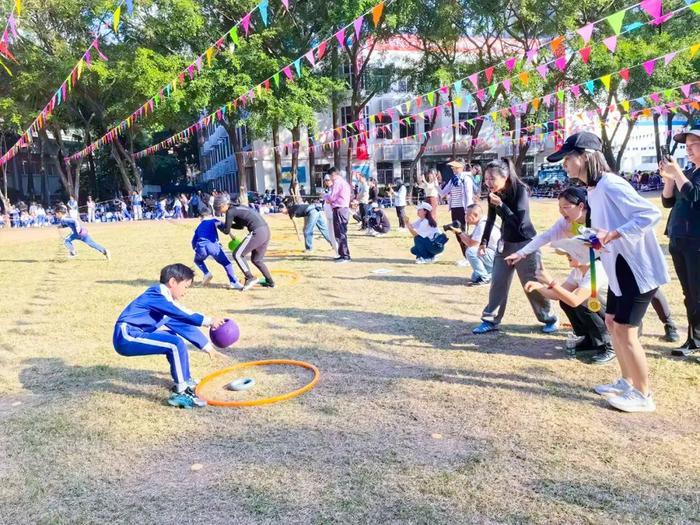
(78,232)
(155,323)
(377,222)
(573,295)
(481,263)
(428,240)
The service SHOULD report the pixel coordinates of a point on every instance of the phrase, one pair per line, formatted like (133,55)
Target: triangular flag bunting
(262,6)
(510,64)
(615,21)
(686,90)
(649,66)
(377,13)
(576,90)
(245,22)
(288,72)
(611,43)
(358,26)
(310,57)
(321,50)
(506,85)
(606,81)
(694,49)
(561,63)
(297,66)
(668,58)
(234,35)
(543,70)
(590,86)
(458,86)
(340,37)
(625,73)
(695,8)
(524,77)
(652,8)
(556,43)
(474,79)
(489,73)
(585,54)
(117,14)
(285,3)
(586,32)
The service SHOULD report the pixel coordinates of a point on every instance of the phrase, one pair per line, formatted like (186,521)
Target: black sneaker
(671,334)
(686,349)
(604,356)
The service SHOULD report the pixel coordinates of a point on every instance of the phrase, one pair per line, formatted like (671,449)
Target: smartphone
(665,154)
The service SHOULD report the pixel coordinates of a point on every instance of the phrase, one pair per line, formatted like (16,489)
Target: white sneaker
(420,260)
(207,279)
(617,388)
(633,401)
(108,255)
(236,286)
(462,263)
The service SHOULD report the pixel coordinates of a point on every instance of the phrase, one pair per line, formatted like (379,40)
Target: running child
(78,232)
(255,243)
(155,323)
(205,244)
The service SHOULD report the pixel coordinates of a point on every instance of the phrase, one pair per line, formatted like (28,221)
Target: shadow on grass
(53,375)
(329,258)
(133,282)
(27,261)
(445,280)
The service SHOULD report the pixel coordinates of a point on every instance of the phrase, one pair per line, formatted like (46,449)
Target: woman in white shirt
(431,188)
(632,258)
(399,193)
(428,240)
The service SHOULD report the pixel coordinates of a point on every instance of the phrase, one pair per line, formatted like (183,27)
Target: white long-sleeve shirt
(400,196)
(561,229)
(615,205)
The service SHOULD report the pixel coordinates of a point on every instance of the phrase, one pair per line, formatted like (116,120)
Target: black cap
(584,141)
(680,137)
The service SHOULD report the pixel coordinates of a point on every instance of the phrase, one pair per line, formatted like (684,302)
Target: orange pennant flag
(524,78)
(556,43)
(536,104)
(377,13)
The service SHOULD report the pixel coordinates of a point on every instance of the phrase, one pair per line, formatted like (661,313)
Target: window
(649,160)
(464,127)
(382,123)
(346,118)
(317,177)
(427,124)
(406,170)
(407,126)
(385,173)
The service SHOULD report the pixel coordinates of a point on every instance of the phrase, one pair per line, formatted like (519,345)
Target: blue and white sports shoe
(186,399)
(550,328)
(485,328)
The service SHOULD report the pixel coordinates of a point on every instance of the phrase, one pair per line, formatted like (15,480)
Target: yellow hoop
(294,277)
(266,400)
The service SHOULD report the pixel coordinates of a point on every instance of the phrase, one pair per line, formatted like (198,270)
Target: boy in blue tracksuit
(205,243)
(78,232)
(155,323)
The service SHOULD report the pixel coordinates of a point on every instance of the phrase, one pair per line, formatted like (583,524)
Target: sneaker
(479,282)
(633,401)
(342,260)
(687,349)
(236,286)
(108,255)
(462,263)
(603,357)
(72,255)
(671,334)
(431,260)
(186,399)
(308,252)
(266,284)
(420,260)
(550,327)
(249,283)
(207,279)
(485,328)
(617,388)
(192,383)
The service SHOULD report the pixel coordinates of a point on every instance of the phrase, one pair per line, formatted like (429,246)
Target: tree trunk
(238,153)
(122,168)
(69,179)
(127,160)
(312,162)
(277,155)
(294,182)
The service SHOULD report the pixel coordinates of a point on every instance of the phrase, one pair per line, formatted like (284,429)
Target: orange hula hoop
(266,400)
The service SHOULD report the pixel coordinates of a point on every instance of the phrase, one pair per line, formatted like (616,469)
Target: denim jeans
(481,266)
(315,218)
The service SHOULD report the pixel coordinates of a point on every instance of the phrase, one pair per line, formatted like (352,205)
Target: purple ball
(226,335)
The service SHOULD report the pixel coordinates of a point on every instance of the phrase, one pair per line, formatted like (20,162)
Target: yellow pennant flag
(259,89)
(626,105)
(694,49)
(458,101)
(210,52)
(18,7)
(174,85)
(5,67)
(117,14)
(606,81)
(80,67)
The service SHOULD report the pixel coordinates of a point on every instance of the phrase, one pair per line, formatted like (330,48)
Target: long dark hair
(596,166)
(506,169)
(431,219)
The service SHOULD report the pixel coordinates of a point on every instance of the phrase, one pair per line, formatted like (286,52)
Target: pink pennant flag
(669,57)
(190,71)
(625,73)
(561,63)
(288,72)
(199,64)
(652,7)
(358,26)
(611,43)
(543,70)
(340,37)
(13,25)
(531,54)
(474,79)
(489,73)
(586,32)
(662,19)
(649,66)
(655,97)
(245,22)
(510,64)
(96,45)
(585,54)
(576,90)
(5,37)
(285,3)
(88,58)
(480,95)
(547,99)
(507,85)
(686,89)
(310,57)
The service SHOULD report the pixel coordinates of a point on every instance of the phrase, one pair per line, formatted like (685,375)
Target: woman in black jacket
(681,193)
(509,199)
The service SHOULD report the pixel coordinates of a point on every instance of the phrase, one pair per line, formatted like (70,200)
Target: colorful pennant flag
(611,43)
(615,21)
(586,32)
(377,13)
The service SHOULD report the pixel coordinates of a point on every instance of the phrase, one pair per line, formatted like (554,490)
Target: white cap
(374,205)
(574,247)
(424,206)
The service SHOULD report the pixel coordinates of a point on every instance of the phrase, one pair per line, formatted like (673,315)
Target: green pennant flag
(234,34)
(670,94)
(431,98)
(560,95)
(695,8)
(276,78)
(615,21)
(492,89)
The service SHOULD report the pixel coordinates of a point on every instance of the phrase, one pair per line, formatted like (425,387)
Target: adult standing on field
(339,200)
(681,193)
(459,191)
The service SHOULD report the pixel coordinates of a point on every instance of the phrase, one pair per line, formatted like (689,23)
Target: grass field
(414,420)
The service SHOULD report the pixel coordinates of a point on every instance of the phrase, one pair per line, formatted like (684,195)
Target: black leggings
(630,307)
(254,243)
(458,215)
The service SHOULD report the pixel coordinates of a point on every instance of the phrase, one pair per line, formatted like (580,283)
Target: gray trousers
(501,279)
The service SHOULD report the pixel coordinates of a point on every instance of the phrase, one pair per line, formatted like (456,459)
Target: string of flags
(232,37)
(65,89)
(546,101)
(10,29)
(287,74)
(649,104)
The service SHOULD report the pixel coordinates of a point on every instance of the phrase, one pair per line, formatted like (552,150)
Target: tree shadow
(52,375)
(134,282)
(26,261)
(445,280)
